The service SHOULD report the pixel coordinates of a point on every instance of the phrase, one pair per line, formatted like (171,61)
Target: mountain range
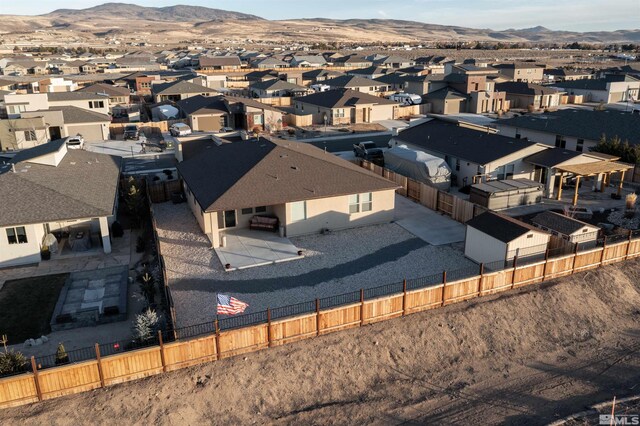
(184,22)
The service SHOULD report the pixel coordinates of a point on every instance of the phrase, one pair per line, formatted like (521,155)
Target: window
(457,164)
(339,112)
(580,145)
(257,119)
(96,104)
(17,235)
(505,172)
(360,202)
(261,209)
(30,135)
(247,211)
(298,211)
(560,142)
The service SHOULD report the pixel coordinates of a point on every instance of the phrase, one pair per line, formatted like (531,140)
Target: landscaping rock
(44,339)
(38,342)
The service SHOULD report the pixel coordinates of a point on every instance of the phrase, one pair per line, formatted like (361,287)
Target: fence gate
(445,203)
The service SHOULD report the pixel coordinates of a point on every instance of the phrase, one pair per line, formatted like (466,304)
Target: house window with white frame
(17,235)
(339,112)
(505,172)
(30,135)
(298,211)
(360,202)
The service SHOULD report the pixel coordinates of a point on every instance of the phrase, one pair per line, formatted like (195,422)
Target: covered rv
(419,165)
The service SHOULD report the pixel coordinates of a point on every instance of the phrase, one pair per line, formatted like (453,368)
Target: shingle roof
(74,96)
(374,69)
(552,157)
(266,172)
(219,61)
(349,81)
(596,84)
(500,227)
(522,88)
(471,145)
(277,84)
(179,87)
(83,185)
(560,223)
(445,93)
(75,115)
(582,123)
(203,104)
(340,98)
(320,73)
(107,89)
(38,151)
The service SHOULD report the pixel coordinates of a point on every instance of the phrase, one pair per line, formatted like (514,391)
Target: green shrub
(11,362)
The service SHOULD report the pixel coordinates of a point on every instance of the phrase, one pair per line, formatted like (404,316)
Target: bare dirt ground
(530,356)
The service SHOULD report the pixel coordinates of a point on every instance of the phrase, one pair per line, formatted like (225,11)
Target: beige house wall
(483,248)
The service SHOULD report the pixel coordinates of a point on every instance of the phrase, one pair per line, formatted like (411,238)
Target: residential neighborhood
(194,200)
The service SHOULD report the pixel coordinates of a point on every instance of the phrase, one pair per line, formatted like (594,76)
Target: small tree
(147,287)
(145,325)
(61,355)
(134,201)
(11,362)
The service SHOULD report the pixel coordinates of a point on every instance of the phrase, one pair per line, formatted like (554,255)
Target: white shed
(569,229)
(492,237)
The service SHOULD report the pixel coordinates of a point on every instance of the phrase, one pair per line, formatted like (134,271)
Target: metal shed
(502,194)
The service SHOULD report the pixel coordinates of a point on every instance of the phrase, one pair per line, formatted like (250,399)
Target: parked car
(370,152)
(131,132)
(75,142)
(180,129)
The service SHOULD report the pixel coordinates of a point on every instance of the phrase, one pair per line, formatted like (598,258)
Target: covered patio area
(244,248)
(601,169)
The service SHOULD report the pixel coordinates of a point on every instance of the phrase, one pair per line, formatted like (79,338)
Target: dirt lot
(525,357)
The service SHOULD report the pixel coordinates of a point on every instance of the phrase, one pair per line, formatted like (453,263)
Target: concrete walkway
(434,228)
(247,249)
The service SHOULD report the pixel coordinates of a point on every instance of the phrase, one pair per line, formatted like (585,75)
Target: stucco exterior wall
(544,137)
(21,254)
(483,248)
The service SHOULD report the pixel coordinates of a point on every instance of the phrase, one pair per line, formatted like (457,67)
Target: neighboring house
(569,229)
(308,61)
(527,72)
(523,95)
(71,67)
(22,133)
(611,89)
(307,189)
(446,101)
(277,89)
(249,114)
(51,190)
(50,85)
(8,85)
(119,97)
(573,129)
(318,76)
(359,84)
(345,106)
(264,75)
(179,90)
(394,62)
(564,74)
(206,113)
(492,237)
(474,153)
(93,126)
(270,63)
(20,68)
(352,61)
(95,102)
(372,72)
(219,63)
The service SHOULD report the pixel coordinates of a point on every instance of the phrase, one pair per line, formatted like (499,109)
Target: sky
(571,15)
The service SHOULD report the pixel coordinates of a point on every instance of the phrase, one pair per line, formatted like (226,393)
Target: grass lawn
(26,306)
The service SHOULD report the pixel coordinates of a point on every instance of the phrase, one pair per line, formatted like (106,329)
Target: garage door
(90,132)
(209,123)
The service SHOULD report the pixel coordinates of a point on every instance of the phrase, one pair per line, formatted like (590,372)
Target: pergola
(605,168)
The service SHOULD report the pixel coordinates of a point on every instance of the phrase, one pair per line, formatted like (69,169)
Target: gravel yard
(336,263)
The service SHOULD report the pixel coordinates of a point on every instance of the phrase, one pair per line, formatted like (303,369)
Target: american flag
(228,305)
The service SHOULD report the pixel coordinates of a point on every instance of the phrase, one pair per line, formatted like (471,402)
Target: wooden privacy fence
(162,190)
(458,209)
(399,299)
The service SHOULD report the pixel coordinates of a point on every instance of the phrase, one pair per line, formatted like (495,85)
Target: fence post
(361,307)
(575,255)
(269,327)
(626,256)
(444,285)
(481,279)
(161,343)
(604,248)
(404,297)
(218,352)
(513,277)
(317,317)
(546,262)
(100,373)
(34,368)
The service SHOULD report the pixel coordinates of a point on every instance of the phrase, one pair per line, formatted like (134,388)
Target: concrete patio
(434,228)
(247,249)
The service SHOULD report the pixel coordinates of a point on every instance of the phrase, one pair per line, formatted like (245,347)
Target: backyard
(35,295)
(333,264)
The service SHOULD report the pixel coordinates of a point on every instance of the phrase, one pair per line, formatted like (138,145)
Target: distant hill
(184,22)
(168,13)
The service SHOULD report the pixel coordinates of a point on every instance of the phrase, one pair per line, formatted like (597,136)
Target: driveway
(434,228)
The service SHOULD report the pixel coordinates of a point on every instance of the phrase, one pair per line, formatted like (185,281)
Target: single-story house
(308,61)
(179,90)
(247,114)
(210,63)
(569,229)
(277,88)
(446,101)
(319,76)
(49,189)
(305,188)
(345,106)
(492,237)
(573,129)
(610,89)
(205,113)
(359,84)
(474,153)
(522,95)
